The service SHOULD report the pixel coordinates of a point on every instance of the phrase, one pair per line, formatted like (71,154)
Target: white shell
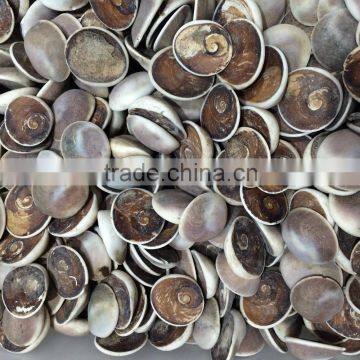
(64,5)
(354,8)
(76,327)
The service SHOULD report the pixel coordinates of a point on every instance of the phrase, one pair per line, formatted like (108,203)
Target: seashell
(354,8)
(142,224)
(146,14)
(223,105)
(22,62)
(268,90)
(67,23)
(99,91)
(239,285)
(116,345)
(177,300)
(248,54)
(103,311)
(171,204)
(65,265)
(319,249)
(143,261)
(5,58)
(270,305)
(336,25)
(292,41)
(305,94)
(115,246)
(203,48)
(4,270)
(351,346)
(185,265)
(24,219)
(305,11)
(79,133)
(12,79)
(78,223)
(327,6)
(252,344)
(166,337)
(147,322)
(71,309)
(142,59)
(116,15)
(244,249)
(107,68)
(293,270)
(24,290)
(164,258)
(272,11)
(127,296)
(92,249)
(323,332)
(167,235)
(198,225)
(9,96)
(28,120)
(206,273)
(355,258)
(351,291)
(64,5)
(132,88)
(350,67)
(20,252)
(89,18)
(207,328)
(353,123)
(311,350)
(343,209)
(23,332)
(225,298)
(74,328)
(7,21)
(116,123)
(232,334)
(185,86)
(324,298)
(230,10)
(45,46)
(51,91)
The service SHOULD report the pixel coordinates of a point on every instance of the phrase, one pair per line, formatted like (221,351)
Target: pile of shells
(226,268)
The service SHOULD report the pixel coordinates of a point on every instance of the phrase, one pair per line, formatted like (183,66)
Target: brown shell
(96,56)
(24,290)
(13,250)
(63,315)
(163,334)
(116,15)
(63,226)
(172,80)
(134,217)
(59,202)
(309,236)
(22,62)
(312,99)
(24,219)
(203,48)
(73,105)
(220,114)
(84,140)
(165,257)
(89,18)
(7,22)
(28,120)
(300,143)
(68,271)
(252,344)
(352,347)
(355,258)
(351,73)
(102,113)
(248,54)
(317,298)
(225,298)
(177,299)
(346,322)
(45,46)
(269,81)
(117,345)
(248,245)
(167,234)
(270,304)
(267,208)
(303,198)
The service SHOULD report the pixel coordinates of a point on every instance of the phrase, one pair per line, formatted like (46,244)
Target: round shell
(248,54)
(203,48)
(45,46)
(177,300)
(220,114)
(252,344)
(7,23)
(173,81)
(309,236)
(68,271)
(305,12)
(312,100)
(351,66)
(317,298)
(270,305)
(24,290)
(106,67)
(134,218)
